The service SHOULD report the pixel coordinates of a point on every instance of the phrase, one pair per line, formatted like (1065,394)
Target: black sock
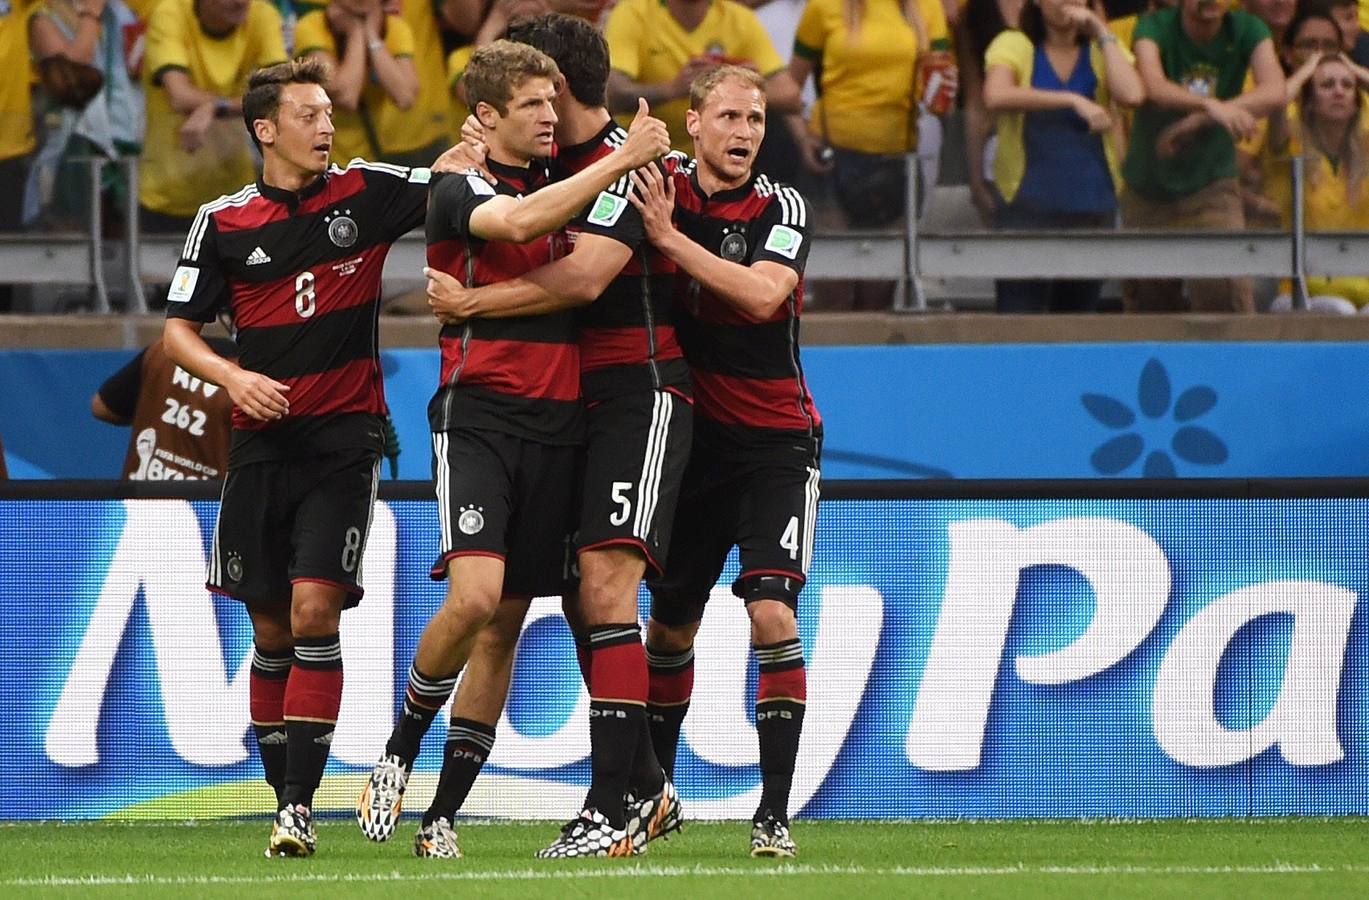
(671,678)
(423,699)
(647,777)
(468,746)
(781,692)
(312,698)
(269,676)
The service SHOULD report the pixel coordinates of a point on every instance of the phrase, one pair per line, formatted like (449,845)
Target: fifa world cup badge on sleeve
(607,209)
(182,284)
(784,241)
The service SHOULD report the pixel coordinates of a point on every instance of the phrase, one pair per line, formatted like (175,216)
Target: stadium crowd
(1122,112)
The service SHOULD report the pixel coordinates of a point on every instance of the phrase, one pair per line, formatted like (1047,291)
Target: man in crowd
(1180,170)
(506,423)
(636,391)
(659,47)
(297,256)
(740,242)
(199,54)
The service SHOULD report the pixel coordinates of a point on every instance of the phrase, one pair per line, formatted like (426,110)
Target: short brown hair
(708,81)
(262,100)
(496,69)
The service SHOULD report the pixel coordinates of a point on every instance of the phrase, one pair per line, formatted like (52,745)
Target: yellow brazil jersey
(16,110)
(649,45)
(457,61)
(369,132)
(1328,202)
(868,77)
(1124,28)
(427,121)
(172,181)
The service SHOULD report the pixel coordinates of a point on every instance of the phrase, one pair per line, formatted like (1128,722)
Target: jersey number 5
(619,496)
(304,294)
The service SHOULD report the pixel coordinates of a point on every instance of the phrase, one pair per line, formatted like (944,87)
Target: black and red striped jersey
(517,375)
(627,338)
(749,385)
(301,273)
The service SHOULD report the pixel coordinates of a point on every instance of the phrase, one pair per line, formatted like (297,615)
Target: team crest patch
(607,209)
(234,567)
(784,240)
(471,520)
(342,229)
(733,247)
(183,284)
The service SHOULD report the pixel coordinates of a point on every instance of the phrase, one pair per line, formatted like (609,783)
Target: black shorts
(286,521)
(509,498)
(768,509)
(638,446)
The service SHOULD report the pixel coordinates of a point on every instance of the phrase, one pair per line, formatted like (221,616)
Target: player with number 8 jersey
(297,256)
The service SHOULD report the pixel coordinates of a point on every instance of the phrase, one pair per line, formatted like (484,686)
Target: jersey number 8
(304,294)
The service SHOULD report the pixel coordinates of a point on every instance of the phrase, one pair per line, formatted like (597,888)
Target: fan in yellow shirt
(199,56)
(374,81)
(658,47)
(16,111)
(868,54)
(1328,127)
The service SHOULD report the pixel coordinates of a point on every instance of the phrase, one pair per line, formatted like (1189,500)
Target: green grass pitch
(1245,858)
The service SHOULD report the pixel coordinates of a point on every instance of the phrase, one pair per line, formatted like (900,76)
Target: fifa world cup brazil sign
(937,673)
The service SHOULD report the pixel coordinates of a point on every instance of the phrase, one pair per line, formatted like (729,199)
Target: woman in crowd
(1052,86)
(374,80)
(1326,125)
(875,59)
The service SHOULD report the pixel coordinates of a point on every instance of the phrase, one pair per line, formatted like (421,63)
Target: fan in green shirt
(1194,60)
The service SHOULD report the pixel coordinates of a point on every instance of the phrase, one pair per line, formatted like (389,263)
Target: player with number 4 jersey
(740,242)
(297,256)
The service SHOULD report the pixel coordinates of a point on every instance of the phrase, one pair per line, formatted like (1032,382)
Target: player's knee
(316,613)
(470,608)
(771,621)
(668,639)
(608,584)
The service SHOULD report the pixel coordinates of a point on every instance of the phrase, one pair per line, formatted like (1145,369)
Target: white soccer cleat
(292,834)
(381,799)
(437,841)
(770,838)
(589,834)
(652,817)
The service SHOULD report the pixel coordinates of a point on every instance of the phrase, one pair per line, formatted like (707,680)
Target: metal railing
(905,257)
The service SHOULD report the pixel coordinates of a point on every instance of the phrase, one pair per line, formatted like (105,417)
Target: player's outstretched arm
(519,221)
(574,280)
(260,397)
(757,290)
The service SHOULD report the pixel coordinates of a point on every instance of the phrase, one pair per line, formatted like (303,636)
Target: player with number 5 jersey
(297,256)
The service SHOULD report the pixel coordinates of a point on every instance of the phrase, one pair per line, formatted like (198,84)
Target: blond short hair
(706,83)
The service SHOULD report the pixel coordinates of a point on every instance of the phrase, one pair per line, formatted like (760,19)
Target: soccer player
(297,256)
(740,242)
(506,422)
(637,397)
